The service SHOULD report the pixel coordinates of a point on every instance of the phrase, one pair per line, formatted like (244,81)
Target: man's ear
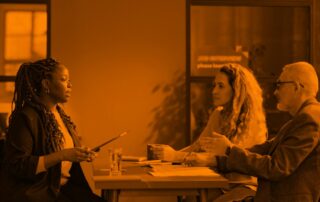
(298,86)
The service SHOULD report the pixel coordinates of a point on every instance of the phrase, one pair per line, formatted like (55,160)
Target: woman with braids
(43,152)
(238,115)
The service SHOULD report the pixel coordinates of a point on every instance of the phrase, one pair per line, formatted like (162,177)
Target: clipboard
(97,148)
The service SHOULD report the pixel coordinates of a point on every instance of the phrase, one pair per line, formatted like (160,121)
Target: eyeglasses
(279,83)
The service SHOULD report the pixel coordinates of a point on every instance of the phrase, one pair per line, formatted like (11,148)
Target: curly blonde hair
(244,120)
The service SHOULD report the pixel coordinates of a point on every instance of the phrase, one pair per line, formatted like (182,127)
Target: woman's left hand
(221,143)
(201,159)
(215,143)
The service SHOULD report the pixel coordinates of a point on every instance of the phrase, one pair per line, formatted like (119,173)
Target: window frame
(310,4)
(47,3)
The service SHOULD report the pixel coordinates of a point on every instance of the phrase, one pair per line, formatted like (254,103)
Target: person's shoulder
(26,117)
(311,111)
(27,113)
(311,108)
(309,114)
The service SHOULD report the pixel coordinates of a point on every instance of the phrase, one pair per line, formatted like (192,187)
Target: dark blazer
(288,166)
(26,141)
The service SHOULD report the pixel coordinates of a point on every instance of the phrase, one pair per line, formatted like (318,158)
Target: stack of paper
(178,170)
(154,162)
(142,161)
(134,158)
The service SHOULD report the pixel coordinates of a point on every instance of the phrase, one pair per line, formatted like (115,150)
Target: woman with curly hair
(238,114)
(43,151)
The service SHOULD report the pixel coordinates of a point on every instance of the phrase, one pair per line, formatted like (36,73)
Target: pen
(97,148)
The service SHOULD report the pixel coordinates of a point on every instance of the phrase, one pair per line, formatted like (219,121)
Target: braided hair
(28,87)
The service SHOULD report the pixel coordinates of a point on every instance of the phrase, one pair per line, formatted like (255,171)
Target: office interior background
(146,66)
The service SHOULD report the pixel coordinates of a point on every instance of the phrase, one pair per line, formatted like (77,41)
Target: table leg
(203,196)
(180,198)
(110,195)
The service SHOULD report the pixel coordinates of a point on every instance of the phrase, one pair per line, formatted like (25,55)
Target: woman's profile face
(222,91)
(59,85)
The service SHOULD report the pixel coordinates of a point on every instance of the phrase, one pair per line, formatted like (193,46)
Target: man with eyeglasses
(287,166)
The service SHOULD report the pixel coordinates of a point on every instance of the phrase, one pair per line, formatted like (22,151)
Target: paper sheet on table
(154,162)
(178,170)
(144,162)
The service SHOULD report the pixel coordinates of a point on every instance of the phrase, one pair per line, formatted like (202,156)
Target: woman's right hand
(77,154)
(215,143)
(201,159)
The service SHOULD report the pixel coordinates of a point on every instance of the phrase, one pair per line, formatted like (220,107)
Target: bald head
(303,73)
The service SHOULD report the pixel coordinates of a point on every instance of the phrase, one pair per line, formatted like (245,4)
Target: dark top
(26,141)
(287,166)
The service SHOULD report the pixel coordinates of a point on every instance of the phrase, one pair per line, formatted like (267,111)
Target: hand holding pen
(79,154)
